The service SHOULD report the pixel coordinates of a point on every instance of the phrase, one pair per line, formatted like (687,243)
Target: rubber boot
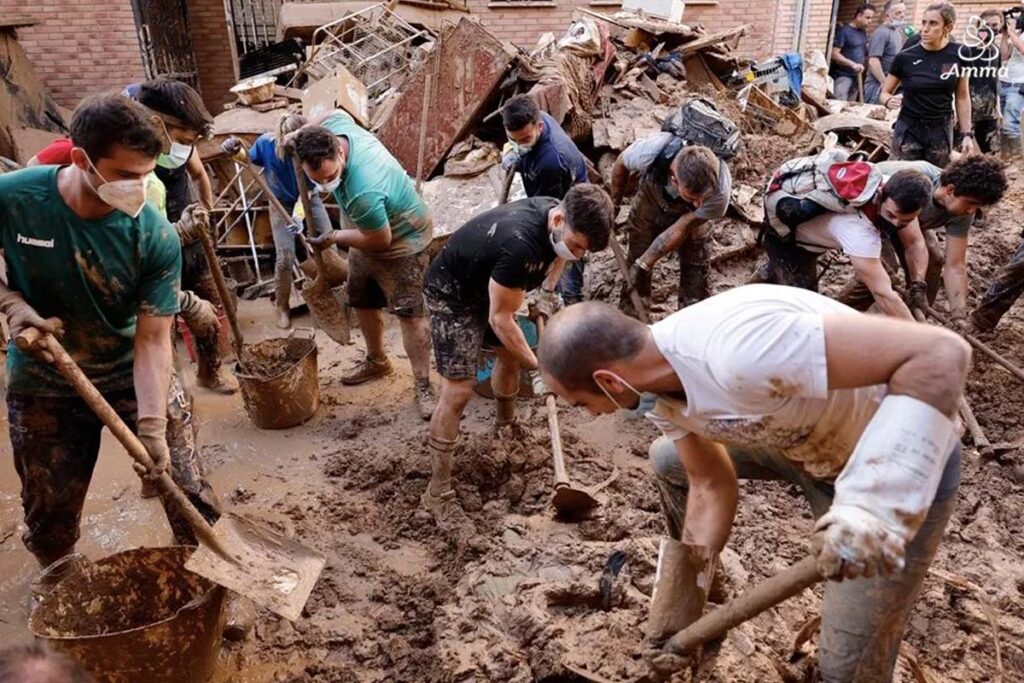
(681,587)
(505,410)
(1010,147)
(282,295)
(439,498)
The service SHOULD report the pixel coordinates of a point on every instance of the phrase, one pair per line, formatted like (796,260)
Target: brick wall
(212,45)
(80,47)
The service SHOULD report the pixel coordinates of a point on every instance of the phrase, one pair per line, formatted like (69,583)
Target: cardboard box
(341,90)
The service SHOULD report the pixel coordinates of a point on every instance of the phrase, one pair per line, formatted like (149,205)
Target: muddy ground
(522,600)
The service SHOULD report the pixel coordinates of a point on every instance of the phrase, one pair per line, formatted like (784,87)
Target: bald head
(36,663)
(587,337)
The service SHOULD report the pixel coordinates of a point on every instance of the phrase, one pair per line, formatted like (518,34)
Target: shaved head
(585,338)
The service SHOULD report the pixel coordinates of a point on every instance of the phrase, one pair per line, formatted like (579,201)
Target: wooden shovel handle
(561,477)
(634,295)
(32,339)
(307,209)
(767,594)
(981,346)
(221,284)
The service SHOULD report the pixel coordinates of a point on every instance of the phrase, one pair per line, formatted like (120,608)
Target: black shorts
(394,283)
(930,141)
(458,336)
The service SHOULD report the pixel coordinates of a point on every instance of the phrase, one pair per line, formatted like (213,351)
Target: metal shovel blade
(271,570)
(570,502)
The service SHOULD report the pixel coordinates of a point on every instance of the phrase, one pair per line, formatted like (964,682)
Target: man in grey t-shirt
(965,186)
(678,193)
(885,44)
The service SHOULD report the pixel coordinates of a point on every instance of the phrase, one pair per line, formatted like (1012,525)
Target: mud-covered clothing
(1006,288)
(927,141)
(862,620)
(553,165)
(376,193)
(458,335)
(510,244)
(984,63)
(753,367)
(393,283)
(55,442)
(95,275)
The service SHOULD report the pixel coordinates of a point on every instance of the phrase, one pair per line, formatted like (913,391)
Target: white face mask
(562,249)
(127,196)
(175,158)
(329,186)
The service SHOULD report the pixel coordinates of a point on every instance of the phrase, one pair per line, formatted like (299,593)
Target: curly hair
(979,176)
(588,210)
(314,145)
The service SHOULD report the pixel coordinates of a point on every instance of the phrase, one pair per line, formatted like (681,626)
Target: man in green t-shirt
(90,261)
(387,229)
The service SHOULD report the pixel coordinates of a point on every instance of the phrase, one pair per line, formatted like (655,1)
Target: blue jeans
(862,620)
(570,285)
(284,241)
(1011,102)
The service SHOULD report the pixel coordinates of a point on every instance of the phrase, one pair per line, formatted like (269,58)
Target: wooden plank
(713,39)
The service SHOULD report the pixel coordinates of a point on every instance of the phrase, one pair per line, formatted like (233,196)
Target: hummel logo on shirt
(32,242)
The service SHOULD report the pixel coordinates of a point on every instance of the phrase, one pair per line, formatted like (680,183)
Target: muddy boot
(439,498)
(1010,147)
(425,398)
(505,410)
(681,587)
(240,617)
(282,296)
(369,368)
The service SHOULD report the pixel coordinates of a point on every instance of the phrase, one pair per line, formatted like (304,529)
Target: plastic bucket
(487,358)
(136,616)
(280,387)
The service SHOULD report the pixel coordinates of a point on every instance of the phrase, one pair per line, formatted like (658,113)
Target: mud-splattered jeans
(1005,289)
(196,276)
(928,140)
(56,442)
(862,620)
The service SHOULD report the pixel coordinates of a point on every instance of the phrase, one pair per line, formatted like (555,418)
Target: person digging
(387,231)
(779,383)
(474,289)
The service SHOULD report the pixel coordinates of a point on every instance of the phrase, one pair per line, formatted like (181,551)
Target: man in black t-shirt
(850,52)
(474,288)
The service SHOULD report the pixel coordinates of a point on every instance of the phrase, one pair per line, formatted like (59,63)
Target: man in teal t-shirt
(387,229)
(89,261)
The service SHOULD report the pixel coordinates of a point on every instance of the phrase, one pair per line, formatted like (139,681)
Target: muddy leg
(439,498)
(55,442)
(416,339)
(505,382)
(209,373)
(694,272)
(1005,289)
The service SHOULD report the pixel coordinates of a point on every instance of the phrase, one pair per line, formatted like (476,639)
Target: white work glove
(509,156)
(540,387)
(194,219)
(541,302)
(199,314)
(296,227)
(152,432)
(886,489)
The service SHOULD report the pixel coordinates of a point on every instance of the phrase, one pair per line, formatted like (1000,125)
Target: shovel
(264,566)
(206,240)
(638,302)
(569,501)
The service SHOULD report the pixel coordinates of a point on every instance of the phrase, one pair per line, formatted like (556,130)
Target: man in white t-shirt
(793,259)
(1011,81)
(769,382)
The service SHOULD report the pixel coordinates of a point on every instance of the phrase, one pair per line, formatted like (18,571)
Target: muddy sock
(441,451)
(505,409)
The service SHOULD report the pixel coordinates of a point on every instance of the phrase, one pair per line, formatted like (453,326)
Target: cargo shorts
(459,335)
(395,284)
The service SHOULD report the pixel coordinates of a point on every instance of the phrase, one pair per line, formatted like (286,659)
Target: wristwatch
(968,134)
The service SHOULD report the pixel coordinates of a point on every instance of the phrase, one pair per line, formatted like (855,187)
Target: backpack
(829,179)
(696,122)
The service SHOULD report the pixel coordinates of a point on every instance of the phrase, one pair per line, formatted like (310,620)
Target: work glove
(850,542)
(509,156)
(664,664)
(917,296)
(540,387)
(321,242)
(21,316)
(199,314)
(234,148)
(544,303)
(194,219)
(296,227)
(152,432)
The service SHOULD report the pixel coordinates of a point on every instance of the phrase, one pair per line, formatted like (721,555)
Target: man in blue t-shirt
(550,163)
(850,52)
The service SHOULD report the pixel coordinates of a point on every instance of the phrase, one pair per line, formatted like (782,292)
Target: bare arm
(916,251)
(152,365)
(620,178)
(363,240)
(502,318)
(875,66)
(872,273)
(199,176)
(670,239)
(954,275)
(1004,44)
(1015,40)
(711,499)
(963,112)
(888,88)
(838,58)
(926,362)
